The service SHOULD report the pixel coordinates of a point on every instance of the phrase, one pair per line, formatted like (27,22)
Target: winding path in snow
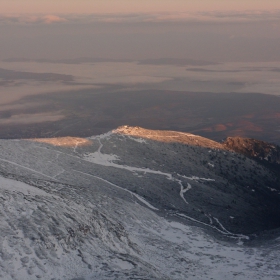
(184,190)
(27,168)
(222,230)
(116,186)
(107,160)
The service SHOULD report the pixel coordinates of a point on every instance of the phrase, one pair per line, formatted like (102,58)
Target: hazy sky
(132,6)
(214,30)
(241,37)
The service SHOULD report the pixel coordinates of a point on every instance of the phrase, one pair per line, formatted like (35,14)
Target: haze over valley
(44,99)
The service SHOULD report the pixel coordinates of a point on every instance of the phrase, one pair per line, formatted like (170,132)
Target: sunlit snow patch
(102,159)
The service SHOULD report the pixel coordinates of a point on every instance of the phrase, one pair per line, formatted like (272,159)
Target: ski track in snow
(222,230)
(194,178)
(116,186)
(210,219)
(76,145)
(184,190)
(27,168)
(59,173)
(136,139)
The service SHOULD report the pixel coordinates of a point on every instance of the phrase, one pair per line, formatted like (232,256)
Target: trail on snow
(107,160)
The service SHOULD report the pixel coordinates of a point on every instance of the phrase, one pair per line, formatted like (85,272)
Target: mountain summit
(168,136)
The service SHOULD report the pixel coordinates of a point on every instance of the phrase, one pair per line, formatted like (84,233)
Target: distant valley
(94,111)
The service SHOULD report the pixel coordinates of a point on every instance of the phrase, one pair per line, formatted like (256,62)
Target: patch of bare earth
(64,141)
(168,136)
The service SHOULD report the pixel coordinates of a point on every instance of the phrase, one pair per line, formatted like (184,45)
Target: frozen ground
(45,234)
(111,211)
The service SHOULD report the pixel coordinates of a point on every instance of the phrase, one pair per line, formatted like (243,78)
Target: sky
(213,30)
(133,6)
(213,46)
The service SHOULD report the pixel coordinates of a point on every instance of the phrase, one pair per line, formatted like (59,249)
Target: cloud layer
(232,16)
(31,19)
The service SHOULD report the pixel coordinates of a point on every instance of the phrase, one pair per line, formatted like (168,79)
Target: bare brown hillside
(168,136)
(254,148)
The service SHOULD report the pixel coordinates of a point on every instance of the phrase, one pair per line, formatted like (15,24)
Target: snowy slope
(109,208)
(44,233)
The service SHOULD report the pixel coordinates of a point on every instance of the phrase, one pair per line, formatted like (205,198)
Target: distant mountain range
(135,203)
(95,111)
(80,60)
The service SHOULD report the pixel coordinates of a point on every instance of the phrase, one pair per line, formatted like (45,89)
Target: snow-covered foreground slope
(54,231)
(121,207)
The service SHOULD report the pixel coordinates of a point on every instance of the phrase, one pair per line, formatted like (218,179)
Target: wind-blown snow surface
(90,213)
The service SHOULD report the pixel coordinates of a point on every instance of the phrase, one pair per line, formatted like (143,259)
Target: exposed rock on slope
(254,148)
(64,141)
(265,153)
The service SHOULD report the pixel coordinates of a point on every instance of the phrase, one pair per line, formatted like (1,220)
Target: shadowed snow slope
(130,206)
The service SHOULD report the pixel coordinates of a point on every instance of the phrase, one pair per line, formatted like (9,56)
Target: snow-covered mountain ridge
(135,206)
(168,136)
